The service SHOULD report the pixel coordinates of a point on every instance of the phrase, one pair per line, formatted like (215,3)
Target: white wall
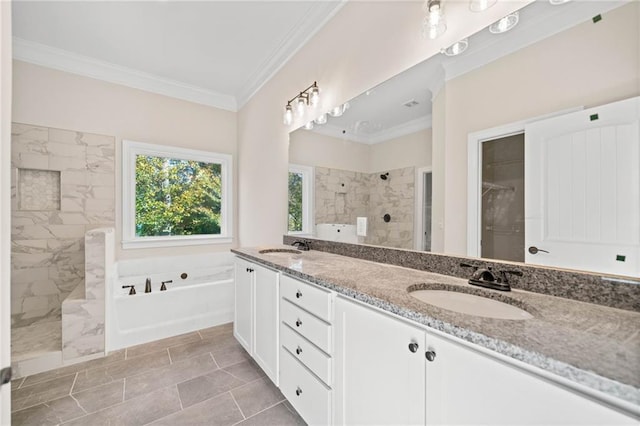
(413,150)
(52,98)
(588,65)
(365,44)
(313,149)
(5,204)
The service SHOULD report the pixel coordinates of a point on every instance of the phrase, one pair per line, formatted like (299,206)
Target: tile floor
(199,378)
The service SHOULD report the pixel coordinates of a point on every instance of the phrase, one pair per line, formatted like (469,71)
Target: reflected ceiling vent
(411,103)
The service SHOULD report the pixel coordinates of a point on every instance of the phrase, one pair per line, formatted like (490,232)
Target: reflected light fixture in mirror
(288,114)
(505,24)
(558,2)
(322,119)
(339,110)
(480,5)
(456,48)
(309,126)
(434,24)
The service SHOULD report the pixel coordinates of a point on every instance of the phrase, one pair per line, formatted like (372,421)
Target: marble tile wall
(48,243)
(394,196)
(341,196)
(83,311)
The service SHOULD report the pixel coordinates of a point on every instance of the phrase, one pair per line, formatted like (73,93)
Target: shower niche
(38,190)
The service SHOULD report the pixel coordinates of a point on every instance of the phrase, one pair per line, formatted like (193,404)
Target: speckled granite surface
(583,286)
(596,346)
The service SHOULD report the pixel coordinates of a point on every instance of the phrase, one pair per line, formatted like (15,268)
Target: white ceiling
(379,115)
(214,52)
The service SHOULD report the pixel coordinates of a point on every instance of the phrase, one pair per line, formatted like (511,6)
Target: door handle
(535,250)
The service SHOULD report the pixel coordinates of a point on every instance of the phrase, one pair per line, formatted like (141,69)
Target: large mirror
(479,154)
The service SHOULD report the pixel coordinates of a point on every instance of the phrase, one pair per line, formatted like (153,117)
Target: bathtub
(204,298)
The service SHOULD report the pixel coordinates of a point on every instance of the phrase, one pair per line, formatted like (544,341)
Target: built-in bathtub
(204,298)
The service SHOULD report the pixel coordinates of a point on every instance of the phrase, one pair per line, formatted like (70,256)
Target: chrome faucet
(304,245)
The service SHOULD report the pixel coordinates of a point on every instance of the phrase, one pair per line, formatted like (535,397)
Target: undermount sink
(471,304)
(279,251)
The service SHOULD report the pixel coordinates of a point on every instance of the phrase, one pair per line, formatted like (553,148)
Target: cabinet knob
(413,347)
(299,350)
(298,391)
(298,323)
(431,355)
(298,294)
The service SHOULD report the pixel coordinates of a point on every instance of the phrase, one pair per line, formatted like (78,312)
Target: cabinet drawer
(313,329)
(305,392)
(313,358)
(308,297)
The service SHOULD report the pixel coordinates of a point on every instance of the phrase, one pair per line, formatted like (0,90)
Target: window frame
(130,150)
(308,186)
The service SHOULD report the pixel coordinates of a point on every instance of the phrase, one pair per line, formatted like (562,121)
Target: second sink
(471,304)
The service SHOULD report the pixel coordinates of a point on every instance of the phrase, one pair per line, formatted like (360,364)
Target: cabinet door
(468,387)
(266,320)
(378,379)
(243,319)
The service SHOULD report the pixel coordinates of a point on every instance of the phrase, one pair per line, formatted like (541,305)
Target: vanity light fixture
(480,5)
(456,48)
(308,97)
(505,24)
(339,110)
(321,120)
(433,25)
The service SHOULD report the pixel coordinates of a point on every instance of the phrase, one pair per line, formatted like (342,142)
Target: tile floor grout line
(237,405)
(74,383)
(268,408)
(214,361)
(78,404)
(169,353)
(179,397)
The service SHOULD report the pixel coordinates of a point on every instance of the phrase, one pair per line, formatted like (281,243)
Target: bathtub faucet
(132,289)
(163,287)
(147,286)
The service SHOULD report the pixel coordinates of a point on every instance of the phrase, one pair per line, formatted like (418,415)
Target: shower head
(384,176)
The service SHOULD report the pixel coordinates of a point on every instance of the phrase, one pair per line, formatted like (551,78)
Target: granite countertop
(593,345)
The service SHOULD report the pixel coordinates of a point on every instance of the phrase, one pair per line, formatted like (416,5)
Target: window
(300,218)
(174,196)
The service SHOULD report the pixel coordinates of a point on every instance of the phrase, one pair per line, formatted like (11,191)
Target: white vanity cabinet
(306,346)
(380,380)
(257,314)
(379,368)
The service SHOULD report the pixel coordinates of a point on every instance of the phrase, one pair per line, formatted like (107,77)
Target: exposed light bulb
(301,103)
(434,24)
(322,119)
(288,115)
(505,24)
(314,96)
(480,5)
(309,125)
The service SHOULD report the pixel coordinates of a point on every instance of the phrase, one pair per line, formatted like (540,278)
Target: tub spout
(147,286)
(132,289)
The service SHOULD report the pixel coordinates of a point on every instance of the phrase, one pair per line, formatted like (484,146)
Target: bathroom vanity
(349,344)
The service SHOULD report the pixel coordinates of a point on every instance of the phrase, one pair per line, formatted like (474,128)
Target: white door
(379,378)
(582,195)
(5,231)
(243,314)
(266,321)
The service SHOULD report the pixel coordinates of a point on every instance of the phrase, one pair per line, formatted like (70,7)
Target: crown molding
(63,60)
(316,18)
(403,129)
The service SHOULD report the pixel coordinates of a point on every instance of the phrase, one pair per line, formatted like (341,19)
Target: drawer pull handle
(298,391)
(298,294)
(299,350)
(298,323)
(431,355)
(413,347)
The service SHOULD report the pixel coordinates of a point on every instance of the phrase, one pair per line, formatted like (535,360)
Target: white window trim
(308,186)
(131,149)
